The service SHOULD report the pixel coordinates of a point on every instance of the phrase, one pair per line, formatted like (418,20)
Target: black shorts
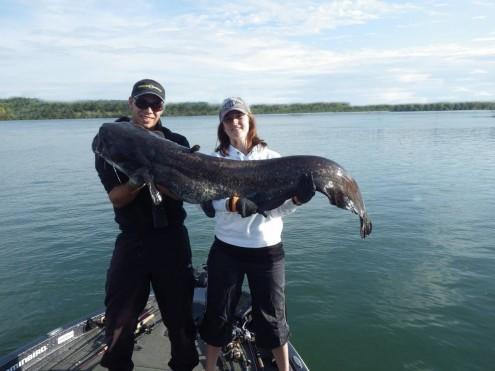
(265,271)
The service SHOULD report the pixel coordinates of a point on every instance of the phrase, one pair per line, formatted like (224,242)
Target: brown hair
(252,137)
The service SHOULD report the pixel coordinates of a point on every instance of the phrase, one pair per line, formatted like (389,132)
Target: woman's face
(236,125)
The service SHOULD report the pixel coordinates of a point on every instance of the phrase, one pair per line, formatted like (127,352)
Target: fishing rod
(145,325)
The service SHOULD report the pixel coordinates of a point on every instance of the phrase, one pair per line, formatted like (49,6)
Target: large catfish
(195,177)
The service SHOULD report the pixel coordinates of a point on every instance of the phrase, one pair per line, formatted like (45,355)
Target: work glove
(244,206)
(208,208)
(305,189)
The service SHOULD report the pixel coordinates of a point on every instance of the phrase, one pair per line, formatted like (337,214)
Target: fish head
(343,191)
(118,144)
(366,226)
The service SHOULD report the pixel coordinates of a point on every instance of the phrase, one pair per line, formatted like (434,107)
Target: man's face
(146,110)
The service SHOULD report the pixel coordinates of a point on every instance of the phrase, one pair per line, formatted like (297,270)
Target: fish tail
(366,226)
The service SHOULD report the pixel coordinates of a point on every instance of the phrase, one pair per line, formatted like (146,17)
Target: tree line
(36,109)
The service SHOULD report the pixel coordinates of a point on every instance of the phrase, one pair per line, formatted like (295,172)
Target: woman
(247,243)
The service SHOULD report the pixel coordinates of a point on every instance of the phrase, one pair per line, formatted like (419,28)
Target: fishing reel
(242,349)
(201,276)
(233,352)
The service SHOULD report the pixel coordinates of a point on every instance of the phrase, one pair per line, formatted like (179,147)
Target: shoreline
(13,109)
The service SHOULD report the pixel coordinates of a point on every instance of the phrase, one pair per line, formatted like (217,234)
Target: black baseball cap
(148,86)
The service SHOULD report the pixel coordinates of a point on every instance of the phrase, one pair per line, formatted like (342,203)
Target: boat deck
(151,352)
(151,349)
(80,345)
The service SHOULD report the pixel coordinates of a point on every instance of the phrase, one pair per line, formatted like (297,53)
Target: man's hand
(305,189)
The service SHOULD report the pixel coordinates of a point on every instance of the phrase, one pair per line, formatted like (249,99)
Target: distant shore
(36,109)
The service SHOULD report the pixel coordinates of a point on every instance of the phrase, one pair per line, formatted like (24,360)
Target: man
(152,248)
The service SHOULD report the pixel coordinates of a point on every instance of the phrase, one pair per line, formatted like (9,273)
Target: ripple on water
(416,295)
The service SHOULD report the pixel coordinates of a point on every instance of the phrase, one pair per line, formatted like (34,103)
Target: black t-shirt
(141,214)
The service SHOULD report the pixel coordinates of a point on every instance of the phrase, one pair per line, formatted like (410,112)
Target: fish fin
(156,197)
(338,198)
(194,148)
(145,175)
(208,208)
(262,213)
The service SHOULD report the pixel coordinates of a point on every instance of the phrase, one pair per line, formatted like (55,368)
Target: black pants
(265,271)
(163,258)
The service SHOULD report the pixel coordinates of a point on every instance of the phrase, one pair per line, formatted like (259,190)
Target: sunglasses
(144,103)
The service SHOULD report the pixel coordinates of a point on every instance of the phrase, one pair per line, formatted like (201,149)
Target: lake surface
(418,294)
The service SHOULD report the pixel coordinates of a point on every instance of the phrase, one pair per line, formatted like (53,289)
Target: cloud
(414,77)
(299,17)
(395,95)
(478,71)
(475,93)
(268,50)
(440,4)
(484,3)
(484,39)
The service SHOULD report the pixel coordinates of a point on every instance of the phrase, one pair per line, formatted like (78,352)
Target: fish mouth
(97,145)
(100,148)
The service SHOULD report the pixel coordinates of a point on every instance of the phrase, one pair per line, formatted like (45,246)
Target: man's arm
(119,191)
(124,194)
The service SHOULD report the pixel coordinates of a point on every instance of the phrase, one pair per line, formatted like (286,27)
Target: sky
(292,51)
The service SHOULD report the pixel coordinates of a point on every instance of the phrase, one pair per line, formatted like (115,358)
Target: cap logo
(149,86)
(232,102)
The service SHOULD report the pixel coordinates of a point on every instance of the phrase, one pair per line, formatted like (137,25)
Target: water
(417,295)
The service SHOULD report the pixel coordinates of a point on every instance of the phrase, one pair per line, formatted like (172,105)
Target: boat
(80,345)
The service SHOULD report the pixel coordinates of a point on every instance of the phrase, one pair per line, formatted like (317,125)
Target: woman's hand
(246,207)
(243,206)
